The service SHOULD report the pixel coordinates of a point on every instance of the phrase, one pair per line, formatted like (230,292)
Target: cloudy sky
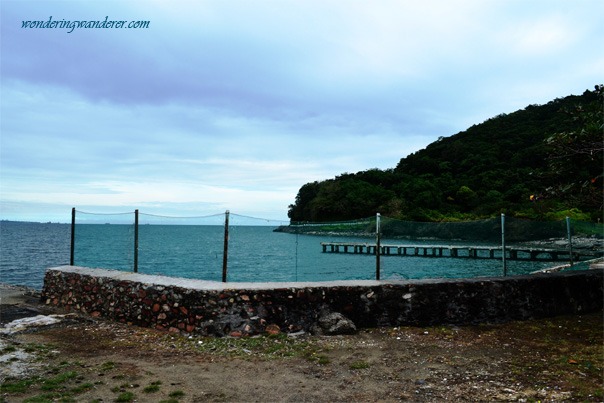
(234,105)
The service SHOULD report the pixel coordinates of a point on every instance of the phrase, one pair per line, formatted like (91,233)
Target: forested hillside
(542,162)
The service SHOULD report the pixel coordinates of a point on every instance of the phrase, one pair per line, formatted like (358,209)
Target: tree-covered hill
(544,161)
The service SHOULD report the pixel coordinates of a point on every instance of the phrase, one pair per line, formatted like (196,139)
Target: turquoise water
(27,249)
(255,254)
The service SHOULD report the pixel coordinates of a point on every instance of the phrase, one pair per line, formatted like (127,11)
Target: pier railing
(232,247)
(462,251)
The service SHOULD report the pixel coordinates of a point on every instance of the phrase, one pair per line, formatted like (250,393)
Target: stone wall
(212,308)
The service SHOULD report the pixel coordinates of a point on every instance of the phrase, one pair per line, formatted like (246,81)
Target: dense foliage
(543,162)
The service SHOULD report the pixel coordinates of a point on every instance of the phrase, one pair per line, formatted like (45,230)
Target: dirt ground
(87,359)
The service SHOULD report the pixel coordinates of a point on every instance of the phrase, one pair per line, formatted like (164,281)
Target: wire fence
(487,230)
(232,247)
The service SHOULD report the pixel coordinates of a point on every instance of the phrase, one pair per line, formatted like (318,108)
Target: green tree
(299,211)
(466,198)
(576,157)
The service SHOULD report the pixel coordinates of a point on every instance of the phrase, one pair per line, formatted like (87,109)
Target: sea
(253,254)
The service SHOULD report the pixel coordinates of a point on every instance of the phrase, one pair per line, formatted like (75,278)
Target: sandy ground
(90,359)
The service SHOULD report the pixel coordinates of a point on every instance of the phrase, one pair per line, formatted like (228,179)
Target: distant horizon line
(140,224)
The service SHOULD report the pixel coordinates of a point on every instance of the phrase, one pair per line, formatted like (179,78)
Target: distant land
(543,162)
(29,222)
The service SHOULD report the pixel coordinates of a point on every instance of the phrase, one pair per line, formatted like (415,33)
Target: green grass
(320,359)
(58,381)
(125,397)
(57,391)
(177,394)
(107,366)
(359,365)
(174,396)
(8,349)
(264,347)
(38,348)
(82,388)
(17,386)
(49,397)
(153,387)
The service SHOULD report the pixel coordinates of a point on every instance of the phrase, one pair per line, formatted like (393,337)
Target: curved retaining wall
(214,308)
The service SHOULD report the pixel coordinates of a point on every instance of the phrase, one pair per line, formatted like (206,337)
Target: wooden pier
(458,251)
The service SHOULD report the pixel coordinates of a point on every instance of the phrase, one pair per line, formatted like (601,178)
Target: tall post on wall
(136,241)
(225,254)
(378,246)
(570,240)
(505,268)
(72,246)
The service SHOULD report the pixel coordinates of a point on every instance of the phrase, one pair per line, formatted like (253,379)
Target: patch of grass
(37,348)
(56,386)
(125,397)
(17,386)
(321,359)
(359,365)
(47,398)
(82,388)
(8,349)
(58,381)
(264,347)
(108,366)
(177,394)
(153,387)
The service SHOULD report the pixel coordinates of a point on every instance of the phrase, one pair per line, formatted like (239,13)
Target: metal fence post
(377,246)
(72,247)
(225,254)
(570,240)
(136,241)
(505,268)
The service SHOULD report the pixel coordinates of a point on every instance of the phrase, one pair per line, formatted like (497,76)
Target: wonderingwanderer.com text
(72,25)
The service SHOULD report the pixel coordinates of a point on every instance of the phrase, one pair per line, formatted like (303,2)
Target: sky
(234,105)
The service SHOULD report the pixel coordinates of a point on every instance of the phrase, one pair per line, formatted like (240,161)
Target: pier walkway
(459,251)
